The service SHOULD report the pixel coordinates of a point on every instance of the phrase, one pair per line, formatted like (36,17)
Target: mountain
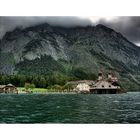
(79,51)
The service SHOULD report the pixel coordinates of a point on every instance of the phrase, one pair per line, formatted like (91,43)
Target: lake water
(70,108)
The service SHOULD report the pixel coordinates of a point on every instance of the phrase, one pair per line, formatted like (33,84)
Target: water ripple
(70,108)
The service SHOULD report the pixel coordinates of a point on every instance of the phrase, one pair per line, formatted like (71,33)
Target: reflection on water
(70,108)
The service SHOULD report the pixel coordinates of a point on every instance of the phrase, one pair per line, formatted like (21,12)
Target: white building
(82,87)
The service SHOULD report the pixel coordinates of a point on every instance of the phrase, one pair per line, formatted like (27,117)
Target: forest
(39,81)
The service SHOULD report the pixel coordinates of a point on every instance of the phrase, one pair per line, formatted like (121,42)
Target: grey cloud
(9,23)
(128,26)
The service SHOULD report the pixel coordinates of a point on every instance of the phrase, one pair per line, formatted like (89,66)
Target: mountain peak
(40,27)
(101,26)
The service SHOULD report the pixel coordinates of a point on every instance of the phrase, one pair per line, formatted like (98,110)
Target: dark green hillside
(70,53)
(40,66)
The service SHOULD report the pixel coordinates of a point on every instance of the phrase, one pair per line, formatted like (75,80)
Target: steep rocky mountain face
(80,51)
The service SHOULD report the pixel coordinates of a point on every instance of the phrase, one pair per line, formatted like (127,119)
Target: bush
(29,86)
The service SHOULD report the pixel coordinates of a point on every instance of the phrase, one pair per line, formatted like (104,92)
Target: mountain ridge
(86,50)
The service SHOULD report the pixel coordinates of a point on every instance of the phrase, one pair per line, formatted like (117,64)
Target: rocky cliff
(80,51)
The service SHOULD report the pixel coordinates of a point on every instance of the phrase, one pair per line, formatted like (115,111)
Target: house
(103,85)
(107,85)
(82,87)
(9,88)
(2,88)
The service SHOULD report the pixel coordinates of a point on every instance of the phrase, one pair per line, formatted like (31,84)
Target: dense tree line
(59,70)
(38,81)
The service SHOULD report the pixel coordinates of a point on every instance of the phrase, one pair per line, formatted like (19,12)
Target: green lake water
(70,108)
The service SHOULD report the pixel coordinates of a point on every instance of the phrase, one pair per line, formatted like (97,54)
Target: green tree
(68,86)
(32,86)
(3,80)
(22,80)
(27,86)
(42,82)
(57,87)
(36,81)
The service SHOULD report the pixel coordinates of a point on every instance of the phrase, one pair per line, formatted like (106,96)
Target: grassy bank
(34,90)
(39,90)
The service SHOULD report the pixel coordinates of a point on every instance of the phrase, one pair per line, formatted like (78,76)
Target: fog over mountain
(128,26)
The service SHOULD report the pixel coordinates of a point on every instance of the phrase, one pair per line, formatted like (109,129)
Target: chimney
(100,76)
(110,76)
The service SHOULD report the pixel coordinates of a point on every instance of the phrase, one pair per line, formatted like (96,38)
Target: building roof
(104,85)
(8,85)
(89,82)
(2,86)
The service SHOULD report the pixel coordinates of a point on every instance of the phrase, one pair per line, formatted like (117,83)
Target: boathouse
(104,87)
(107,85)
(9,88)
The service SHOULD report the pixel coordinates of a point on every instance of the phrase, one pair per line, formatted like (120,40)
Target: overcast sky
(128,26)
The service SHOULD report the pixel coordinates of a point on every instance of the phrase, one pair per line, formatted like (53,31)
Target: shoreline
(33,91)
(62,93)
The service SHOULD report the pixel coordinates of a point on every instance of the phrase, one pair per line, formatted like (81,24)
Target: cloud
(128,26)
(138,44)
(9,23)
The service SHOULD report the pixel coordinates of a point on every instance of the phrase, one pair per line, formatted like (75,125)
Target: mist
(128,26)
